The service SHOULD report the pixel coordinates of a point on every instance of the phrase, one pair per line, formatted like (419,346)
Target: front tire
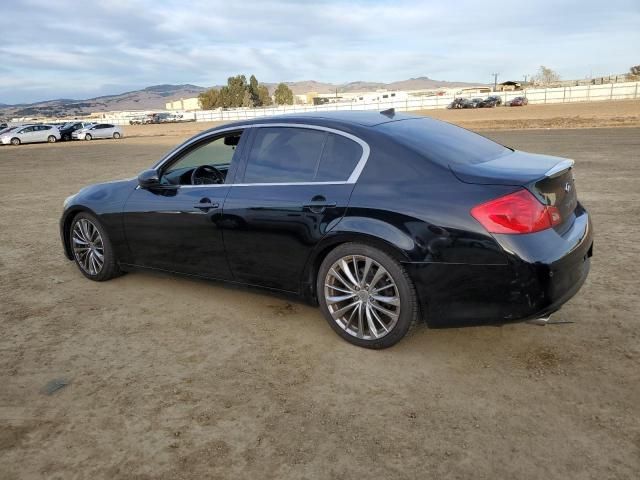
(88,137)
(15,142)
(116,135)
(92,250)
(366,296)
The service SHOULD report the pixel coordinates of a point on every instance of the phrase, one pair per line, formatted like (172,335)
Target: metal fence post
(611,93)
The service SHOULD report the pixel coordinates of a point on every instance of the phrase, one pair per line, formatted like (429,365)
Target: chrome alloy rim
(362,297)
(88,247)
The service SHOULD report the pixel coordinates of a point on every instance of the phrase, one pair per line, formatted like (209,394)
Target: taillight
(518,212)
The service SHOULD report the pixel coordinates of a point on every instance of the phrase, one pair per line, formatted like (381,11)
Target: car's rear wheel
(366,296)
(51,139)
(88,137)
(116,135)
(15,141)
(92,250)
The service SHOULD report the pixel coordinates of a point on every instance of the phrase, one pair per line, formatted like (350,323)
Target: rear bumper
(544,271)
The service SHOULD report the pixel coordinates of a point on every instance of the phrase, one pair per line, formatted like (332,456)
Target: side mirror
(149,179)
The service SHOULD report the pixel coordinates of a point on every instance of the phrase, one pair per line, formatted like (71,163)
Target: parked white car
(31,134)
(99,130)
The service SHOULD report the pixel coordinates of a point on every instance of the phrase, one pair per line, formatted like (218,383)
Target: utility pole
(525,79)
(495,81)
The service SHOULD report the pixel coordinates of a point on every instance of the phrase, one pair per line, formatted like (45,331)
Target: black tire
(116,136)
(110,268)
(409,314)
(88,137)
(15,142)
(66,138)
(51,139)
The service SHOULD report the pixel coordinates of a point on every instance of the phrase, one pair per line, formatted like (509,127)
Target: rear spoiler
(559,168)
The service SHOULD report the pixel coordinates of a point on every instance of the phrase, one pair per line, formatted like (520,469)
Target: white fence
(581,93)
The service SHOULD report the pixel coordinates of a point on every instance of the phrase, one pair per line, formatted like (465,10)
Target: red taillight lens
(518,212)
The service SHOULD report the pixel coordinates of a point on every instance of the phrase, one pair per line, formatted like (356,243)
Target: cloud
(75,49)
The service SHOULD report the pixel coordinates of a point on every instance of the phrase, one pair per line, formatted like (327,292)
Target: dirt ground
(169,377)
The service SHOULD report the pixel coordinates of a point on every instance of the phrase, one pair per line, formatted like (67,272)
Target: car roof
(354,117)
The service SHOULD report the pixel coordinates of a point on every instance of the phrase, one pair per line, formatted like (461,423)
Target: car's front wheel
(366,296)
(92,250)
(15,141)
(88,137)
(116,135)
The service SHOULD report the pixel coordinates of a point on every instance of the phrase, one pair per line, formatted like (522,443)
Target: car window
(284,155)
(444,143)
(339,158)
(217,152)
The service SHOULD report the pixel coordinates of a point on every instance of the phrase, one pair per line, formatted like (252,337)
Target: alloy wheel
(88,247)
(362,297)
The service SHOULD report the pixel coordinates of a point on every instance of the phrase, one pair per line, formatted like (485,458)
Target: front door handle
(205,205)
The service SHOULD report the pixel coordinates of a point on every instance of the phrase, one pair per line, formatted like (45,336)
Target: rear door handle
(319,204)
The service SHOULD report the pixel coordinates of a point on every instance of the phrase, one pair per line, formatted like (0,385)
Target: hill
(155,97)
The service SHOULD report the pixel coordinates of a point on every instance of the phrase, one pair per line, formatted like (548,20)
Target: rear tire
(366,296)
(92,249)
(88,137)
(116,135)
(15,142)
(51,139)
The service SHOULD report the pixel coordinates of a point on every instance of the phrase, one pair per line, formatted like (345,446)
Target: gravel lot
(171,377)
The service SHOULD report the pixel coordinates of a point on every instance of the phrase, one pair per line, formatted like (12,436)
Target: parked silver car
(99,130)
(31,134)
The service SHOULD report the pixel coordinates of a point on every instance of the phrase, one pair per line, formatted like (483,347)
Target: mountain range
(155,97)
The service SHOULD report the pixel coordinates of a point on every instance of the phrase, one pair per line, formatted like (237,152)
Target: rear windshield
(444,143)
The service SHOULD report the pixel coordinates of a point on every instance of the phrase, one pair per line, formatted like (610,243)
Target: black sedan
(381,218)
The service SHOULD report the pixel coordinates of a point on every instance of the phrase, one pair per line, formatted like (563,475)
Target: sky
(82,49)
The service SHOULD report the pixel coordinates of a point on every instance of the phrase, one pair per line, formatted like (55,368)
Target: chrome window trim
(353,178)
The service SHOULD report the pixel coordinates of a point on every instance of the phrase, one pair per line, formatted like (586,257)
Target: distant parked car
(138,120)
(31,134)
(473,103)
(68,128)
(519,102)
(457,103)
(100,130)
(490,102)
(3,126)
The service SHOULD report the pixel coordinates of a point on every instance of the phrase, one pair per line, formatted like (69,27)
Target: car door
(293,187)
(177,227)
(107,131)
(27,134)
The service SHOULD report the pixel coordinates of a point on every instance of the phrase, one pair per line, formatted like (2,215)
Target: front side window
(300,155)
(217,153)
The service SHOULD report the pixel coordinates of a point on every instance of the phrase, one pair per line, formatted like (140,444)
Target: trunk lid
(549,178)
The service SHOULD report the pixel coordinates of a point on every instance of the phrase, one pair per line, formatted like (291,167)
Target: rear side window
(290,154)
(444,143)
(339,158)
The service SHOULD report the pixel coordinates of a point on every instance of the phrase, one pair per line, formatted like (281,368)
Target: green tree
(283,95)
(264,99)
(254,91)
(209,99)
